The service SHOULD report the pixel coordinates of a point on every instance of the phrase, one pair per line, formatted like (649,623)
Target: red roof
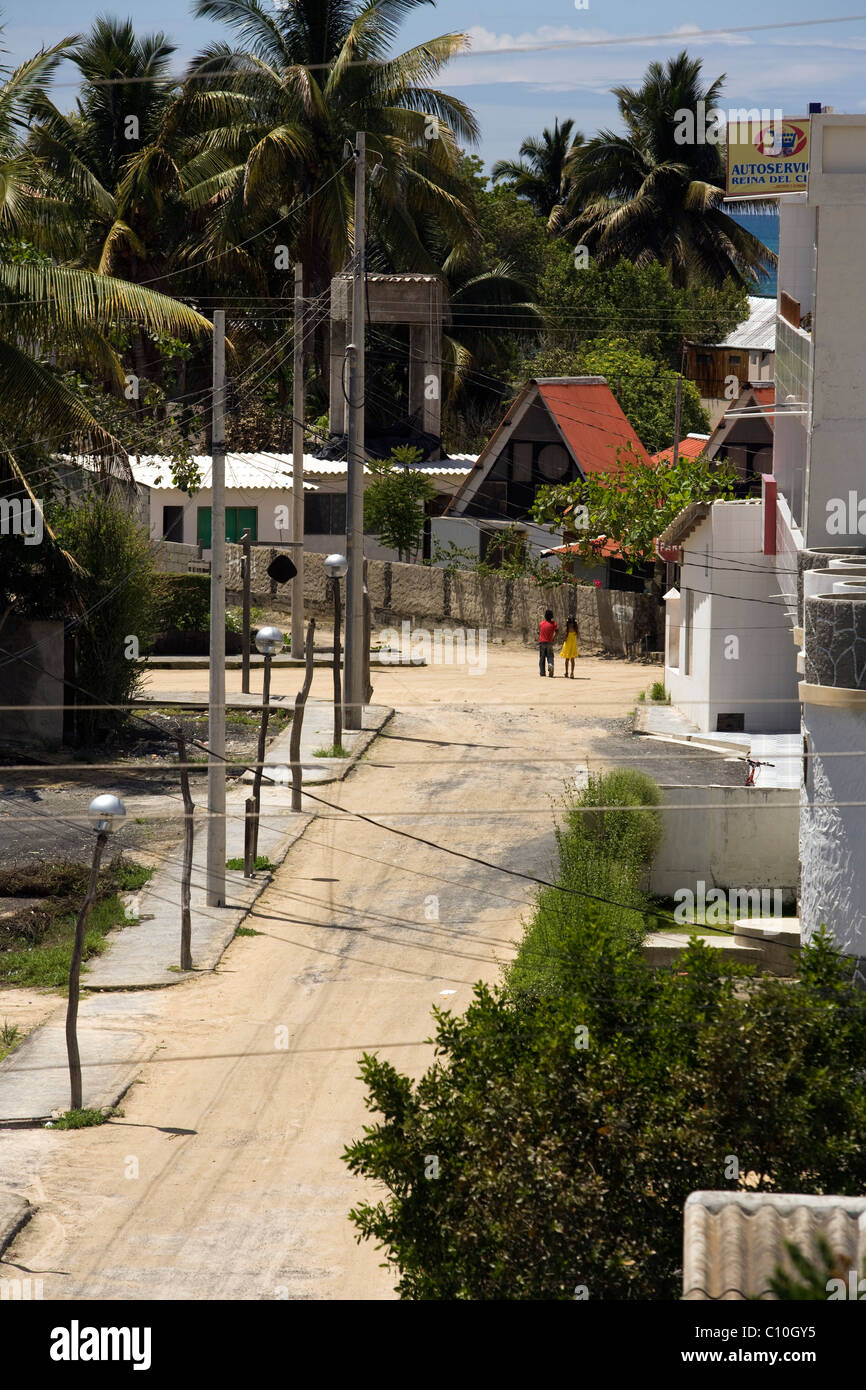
(766,395)
(689,448)
(592,423)
(606,549)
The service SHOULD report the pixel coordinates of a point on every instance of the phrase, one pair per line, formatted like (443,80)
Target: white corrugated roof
(242,471)
(758,331)
(456,467)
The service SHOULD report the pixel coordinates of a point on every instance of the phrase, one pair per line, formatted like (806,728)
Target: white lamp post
(335,568)
(106,813)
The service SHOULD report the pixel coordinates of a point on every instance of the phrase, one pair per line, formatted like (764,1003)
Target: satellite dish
(281,569)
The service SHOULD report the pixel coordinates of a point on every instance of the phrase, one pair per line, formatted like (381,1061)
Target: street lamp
(269,641)
(335,568)
(106,812)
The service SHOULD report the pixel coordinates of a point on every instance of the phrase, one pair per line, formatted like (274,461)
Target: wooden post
(338,697)
(368,637)
(257,775)
(245,621)
(298,719)
(186,871)
(75,974)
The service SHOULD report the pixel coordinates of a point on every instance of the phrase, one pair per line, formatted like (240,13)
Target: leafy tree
(639,302)
(113,596)
(645,390)
(394,501)
(541,175)
(647,197)
(548,1151)
(633,505)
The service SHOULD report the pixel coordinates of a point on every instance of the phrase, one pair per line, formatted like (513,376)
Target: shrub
(563,1161)
(181,601)
(657,691)
(113,593)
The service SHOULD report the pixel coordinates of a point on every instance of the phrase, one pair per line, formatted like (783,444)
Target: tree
(638,302)
(645,390)
(113,590)
(541,175)
(271,147)
(394,501)
(548,1151)
(633,505)
(645,196)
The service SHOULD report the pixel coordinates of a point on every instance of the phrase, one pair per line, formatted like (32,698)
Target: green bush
(609,833)
(563,1158)
(113,592)
(181,601)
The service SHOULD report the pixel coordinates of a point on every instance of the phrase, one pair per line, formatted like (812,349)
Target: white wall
(267,500)
(729,837)
(833,826)
(743,655)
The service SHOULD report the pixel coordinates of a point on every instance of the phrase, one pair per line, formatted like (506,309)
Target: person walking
(547,630)
(569,647)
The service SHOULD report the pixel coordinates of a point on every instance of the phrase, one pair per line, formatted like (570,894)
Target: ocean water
(765,226)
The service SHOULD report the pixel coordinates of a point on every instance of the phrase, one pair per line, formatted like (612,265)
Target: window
(238,520)
(689,612)
(172,523)
(325,513)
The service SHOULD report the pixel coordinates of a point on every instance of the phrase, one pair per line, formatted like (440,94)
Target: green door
(248,517)
(203,531)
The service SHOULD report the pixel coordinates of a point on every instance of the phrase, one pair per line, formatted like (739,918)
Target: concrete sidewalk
(143,956)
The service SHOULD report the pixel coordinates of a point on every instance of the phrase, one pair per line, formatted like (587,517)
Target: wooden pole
(338,697)
(245,622)
(298,720)
(353,672)
(75,975)
(186,870)
(260,758)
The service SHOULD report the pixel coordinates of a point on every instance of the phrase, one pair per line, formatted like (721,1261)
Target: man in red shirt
(547,630)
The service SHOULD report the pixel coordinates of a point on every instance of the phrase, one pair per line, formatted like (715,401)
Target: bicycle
(752,765)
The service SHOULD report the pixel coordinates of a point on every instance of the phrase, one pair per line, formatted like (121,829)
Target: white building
(259,496)
(798,557)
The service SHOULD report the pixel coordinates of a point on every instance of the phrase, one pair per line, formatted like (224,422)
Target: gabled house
(744,435)
(558,430)
(746,354)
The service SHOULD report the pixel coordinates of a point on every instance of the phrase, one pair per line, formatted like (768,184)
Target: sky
(516,94)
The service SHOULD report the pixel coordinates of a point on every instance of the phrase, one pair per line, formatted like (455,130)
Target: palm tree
(270,123)
(647,197)
(54,316)
(540,175)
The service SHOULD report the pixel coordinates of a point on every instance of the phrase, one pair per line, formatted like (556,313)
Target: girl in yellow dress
(569,647)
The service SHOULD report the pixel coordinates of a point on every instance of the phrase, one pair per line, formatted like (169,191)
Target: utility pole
(353,684)
(298,466)
(669,569)
(216,767)
(245,621)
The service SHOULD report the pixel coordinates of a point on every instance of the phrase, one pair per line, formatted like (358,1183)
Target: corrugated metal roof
(242,471)
(250,471)
(733,1241)
(758,331)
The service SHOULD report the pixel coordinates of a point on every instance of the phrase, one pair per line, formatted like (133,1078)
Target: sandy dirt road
(223,1177)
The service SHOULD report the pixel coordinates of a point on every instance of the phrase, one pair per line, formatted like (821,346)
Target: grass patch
(658,693)
(82,1119)
(609,832)
(262,862)
(333,752)
(246,931)
(10,1037)
(36,945)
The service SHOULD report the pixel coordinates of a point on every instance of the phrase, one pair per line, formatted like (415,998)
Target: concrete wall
(743,660)
(427,595)
(36,683)
(174,558)
(729,837)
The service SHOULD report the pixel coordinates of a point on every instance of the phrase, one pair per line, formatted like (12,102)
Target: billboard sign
(764,160)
